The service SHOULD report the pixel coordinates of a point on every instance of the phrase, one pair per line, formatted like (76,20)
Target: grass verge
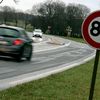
(72,84)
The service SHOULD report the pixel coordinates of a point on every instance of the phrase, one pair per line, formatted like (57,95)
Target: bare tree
(13,0)
(6,13)
(53,13)
(1,1)
(75,14)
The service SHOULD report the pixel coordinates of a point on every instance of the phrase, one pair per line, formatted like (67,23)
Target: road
(51,58)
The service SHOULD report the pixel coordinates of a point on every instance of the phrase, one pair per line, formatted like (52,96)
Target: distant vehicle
(37,35)
(15,42)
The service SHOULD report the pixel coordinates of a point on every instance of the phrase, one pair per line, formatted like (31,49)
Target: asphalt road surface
(50,59)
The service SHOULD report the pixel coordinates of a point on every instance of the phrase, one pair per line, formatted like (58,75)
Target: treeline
(53,17)
(12,16)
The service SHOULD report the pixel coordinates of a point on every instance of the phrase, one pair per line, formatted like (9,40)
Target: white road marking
(47,49)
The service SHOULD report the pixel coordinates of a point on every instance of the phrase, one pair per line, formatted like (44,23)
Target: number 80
(95,30)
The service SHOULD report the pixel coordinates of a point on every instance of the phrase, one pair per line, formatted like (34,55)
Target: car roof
(37,29)
(12,27)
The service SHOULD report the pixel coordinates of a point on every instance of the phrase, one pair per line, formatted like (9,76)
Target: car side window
(9,32)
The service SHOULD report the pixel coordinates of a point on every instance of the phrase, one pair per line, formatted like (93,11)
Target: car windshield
(37,30)
(7,32)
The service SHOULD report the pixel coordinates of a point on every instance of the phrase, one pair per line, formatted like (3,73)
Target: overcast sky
(27,4)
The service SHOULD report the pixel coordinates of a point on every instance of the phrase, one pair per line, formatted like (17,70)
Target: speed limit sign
(91,29)
(91,34)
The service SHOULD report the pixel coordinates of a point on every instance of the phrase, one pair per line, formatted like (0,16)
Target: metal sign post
(94,75)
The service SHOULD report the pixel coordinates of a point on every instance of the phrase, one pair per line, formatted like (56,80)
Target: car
(37,35)
(15,42)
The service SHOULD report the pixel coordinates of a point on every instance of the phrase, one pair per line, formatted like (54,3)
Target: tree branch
(1,1)
(13,0)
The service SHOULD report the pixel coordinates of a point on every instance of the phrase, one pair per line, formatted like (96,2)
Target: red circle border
(85,32)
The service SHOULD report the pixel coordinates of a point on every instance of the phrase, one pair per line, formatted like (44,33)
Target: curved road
(51,59)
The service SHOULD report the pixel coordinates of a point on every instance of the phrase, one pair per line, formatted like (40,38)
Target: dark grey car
(15,42)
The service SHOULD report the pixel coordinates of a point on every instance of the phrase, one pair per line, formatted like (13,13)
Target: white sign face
(94,30)
(91,29)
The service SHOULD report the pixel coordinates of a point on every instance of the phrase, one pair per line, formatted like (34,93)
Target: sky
(27,4)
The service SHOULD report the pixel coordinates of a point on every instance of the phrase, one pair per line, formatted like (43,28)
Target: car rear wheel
(26,52)
(19,57)
(28,58)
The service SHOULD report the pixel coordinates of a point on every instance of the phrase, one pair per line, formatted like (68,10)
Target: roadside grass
(72,84)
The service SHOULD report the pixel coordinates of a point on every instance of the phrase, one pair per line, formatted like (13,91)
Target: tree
(34,10)
(54,14)
(13,0)
(75,14)
(26,19)
(6,13)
